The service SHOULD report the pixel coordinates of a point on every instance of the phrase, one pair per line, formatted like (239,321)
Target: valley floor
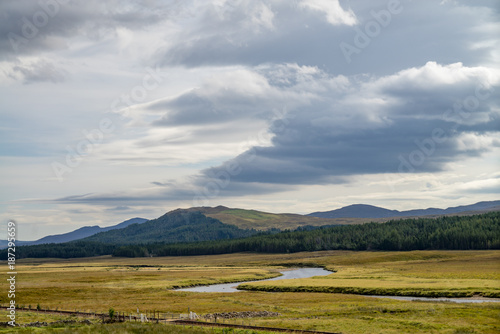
(96,284)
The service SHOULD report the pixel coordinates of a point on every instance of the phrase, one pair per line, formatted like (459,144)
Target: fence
(155,316)
(190,319)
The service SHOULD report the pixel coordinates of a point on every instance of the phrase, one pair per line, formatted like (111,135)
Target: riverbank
(284,274)
(412,274)
(478,299)
(124,284)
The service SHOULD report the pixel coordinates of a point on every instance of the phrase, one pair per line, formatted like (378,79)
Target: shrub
(111,313)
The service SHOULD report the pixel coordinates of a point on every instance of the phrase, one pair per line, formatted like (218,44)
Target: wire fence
(191,319)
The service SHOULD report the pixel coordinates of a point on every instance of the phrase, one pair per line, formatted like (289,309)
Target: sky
(117,109)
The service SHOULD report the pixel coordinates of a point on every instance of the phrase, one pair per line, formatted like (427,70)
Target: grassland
(95,284)
(425,274)
(73,325)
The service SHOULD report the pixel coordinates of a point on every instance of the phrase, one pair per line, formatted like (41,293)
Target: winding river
(288,274)
(310,272)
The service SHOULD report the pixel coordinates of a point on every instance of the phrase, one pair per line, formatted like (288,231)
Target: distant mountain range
(80,233)
(212,223)
(370,211)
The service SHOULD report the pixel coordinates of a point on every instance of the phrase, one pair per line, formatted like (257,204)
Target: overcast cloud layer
(117,109)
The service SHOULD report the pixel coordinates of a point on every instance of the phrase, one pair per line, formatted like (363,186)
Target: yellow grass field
(428,274)
(96,284)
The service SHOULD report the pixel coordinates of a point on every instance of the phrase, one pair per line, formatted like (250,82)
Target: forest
(173,227)
(443,233)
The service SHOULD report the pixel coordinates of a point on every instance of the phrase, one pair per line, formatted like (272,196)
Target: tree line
(443,233)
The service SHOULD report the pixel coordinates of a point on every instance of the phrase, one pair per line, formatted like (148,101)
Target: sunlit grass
(120,328)
(96,284)
(446,274)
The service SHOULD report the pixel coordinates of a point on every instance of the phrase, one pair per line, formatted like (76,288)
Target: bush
(111,313)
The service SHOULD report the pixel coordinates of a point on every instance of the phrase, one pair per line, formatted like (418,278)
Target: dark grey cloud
(423,30)
(29,27)
(199,192)
(228,38)
(238,96)
(41,71)
(407,123)
(192,108)
(117,199)
(332,128)
(120,208)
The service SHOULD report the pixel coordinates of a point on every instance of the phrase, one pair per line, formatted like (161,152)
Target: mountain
(352,214)
(357,211)
(173,227)
(180,231)
(85,232)
(80,233)
(370,211)
(262,221)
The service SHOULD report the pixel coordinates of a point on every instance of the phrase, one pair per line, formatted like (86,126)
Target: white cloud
(477,142)
(335,14)
(439,75)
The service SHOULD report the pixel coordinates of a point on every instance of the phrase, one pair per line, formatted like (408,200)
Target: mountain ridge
(371,211)
(172,227)
(264,221)
(80,233)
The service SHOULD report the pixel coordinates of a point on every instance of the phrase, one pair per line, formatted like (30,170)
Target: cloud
(40,71)
(227,113)
(330,129)
(30,27)
(221,99)
(417,120)
(256,97)
(254,32)
(311,32)
(335,14)
(120,208)
(481,186)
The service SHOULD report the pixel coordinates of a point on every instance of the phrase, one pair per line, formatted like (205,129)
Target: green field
(96,284)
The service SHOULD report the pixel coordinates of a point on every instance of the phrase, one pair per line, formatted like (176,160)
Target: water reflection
(288,274)
(310,272)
